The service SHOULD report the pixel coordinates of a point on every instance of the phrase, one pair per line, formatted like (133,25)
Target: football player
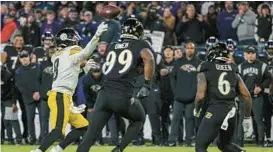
(39,53)
(219,80)
(116,95)
(66,67)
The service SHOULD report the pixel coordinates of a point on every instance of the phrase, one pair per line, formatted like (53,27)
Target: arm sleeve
(271,35)
(38,79)
(174,76)
(86,90)
(266,77)
(256,31)
(236,21)
(86,52)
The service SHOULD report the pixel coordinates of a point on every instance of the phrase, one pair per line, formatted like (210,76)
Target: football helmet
(218,52)
(67,37)
(211,41)
(231,44)
(47,36)
(132,29)
(269,48)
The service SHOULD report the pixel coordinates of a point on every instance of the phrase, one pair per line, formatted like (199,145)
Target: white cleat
(56,149)
(36,150)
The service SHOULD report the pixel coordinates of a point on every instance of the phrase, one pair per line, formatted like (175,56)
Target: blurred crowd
(27,43)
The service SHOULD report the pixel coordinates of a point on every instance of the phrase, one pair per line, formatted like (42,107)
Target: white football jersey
(66,69)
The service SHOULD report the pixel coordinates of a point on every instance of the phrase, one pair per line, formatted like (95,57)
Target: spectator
(28,8)
(205,7)
(166,91)
(4,11)
(224,21)
(10,110)
(131,10)
(184,86)
(87,28)
(27,81)
(63,14)
(97,17)
(210,20)
(169,21)
(153,22)
(8,29)
(191,27)
(113,31)
(256,77)
(72,19)
(38,17)
(45,86)
(178,53)
(245,25)
(263,28)
(31,31)
(50,25)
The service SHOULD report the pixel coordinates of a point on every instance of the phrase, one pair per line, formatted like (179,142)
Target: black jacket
(184,79)
(32,34)
(166,91)
(46,78)
(27,80)
(7,86)
(90,89)
(255,73)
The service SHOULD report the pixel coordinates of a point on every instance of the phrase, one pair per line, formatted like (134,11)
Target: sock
(72,136)
(59,148)
(54,135)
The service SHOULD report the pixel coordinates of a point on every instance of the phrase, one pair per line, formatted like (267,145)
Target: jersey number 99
(125,59)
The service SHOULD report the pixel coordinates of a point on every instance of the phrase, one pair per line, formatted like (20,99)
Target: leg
(258,116)
(30,108)
(165,120)
(240,135)
(136,114)
(189,123)
(2,123)
(267,116)
(224,142)
(98,119)
(8,127)
(112,123)
(177,116)
(24,115)
(17,130)
(44,118)
(38,106)
(59,107)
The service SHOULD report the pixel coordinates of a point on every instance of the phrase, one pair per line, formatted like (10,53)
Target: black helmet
(67,37)
(132,29)
(47,36)
(269,48)
(211,41)
(231,44)
(218,52)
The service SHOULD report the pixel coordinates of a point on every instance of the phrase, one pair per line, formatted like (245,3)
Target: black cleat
(268,143)
(116,150)
(170,144)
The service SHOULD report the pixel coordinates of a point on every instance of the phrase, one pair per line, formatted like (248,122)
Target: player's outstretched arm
(149,63)
(91,46)
(201,90)
(245,95)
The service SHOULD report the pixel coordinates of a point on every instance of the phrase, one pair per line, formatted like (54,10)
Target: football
(110,11)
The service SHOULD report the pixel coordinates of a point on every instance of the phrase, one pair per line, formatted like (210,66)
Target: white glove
(89,64)
(197,113)
(247,124)
(78,109)
(101,28)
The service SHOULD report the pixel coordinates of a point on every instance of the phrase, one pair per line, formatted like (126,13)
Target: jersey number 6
(125,58)
(223,85)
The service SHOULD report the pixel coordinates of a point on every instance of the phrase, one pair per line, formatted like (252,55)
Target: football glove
(77,110)
(247,125)
(101,28)
(144,91)
(197,113)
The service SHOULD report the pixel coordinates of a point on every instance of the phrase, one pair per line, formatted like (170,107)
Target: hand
(241,12)
(36,96)
(247,124)
(185,19)
(101,29)
(164,72)
(90,109)
(77,110)
(200,18)
(197,113)
(14,108)
(262,40)
(143,92)
(257,90)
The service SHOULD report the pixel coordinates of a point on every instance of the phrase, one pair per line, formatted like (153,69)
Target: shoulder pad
(74,50)
(203,66)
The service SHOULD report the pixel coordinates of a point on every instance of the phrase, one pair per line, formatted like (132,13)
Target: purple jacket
(52,28)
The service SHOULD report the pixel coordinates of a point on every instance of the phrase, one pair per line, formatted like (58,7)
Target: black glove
(144,91)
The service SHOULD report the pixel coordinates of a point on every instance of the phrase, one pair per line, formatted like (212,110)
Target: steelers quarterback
(66,67)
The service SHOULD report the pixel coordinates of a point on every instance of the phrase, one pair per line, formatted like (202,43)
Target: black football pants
(268,109)
(210,127)
(111,101)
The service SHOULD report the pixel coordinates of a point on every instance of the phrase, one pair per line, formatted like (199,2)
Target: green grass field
(6,148)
